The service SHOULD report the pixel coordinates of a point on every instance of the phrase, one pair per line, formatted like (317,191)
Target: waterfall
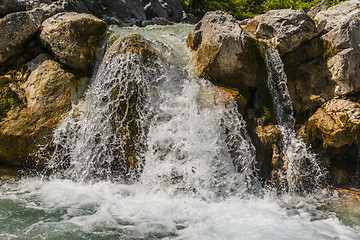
(300,165)
(155,123)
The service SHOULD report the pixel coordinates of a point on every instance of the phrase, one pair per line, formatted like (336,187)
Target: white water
(300,165)
(63,209)
(196,166)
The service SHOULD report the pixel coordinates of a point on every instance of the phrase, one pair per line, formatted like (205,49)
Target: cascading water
(187,175)
(300,165)
(181,138)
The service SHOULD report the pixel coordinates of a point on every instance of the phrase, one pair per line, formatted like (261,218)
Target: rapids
(197,177)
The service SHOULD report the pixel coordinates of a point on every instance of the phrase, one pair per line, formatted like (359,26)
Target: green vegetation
(241,9)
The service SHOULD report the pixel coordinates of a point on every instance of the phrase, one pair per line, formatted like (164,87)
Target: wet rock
(286,29)
(131,95)
(8,174)
(223,52)
(25,126)
(268,153)
(73,38)
(336,123)
(146,23)
(160,21)
(16,29)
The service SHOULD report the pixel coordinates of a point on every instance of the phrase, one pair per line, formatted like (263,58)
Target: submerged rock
(16,29)
(73,38)
(336,123)
(223,52)
(48,97)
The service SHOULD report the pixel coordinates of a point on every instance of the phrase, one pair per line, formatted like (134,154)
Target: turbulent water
(190,175)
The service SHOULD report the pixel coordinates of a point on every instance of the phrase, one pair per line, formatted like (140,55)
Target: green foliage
(335,2)
(241,9)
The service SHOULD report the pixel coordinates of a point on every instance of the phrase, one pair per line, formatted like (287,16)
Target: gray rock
(160,21)
(16,29)
(342,37)
(73,38)
(223,52)
(123,10)
(169,9)
(334,14)
(323,5)
(286,28)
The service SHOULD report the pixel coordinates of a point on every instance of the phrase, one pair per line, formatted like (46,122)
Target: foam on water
(64,209)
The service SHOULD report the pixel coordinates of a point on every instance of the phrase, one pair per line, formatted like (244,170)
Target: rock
(286,29)
(268,153)
(169,9)
(225,96)
(307,66)
(160,21)
(16,29)
(223,52)
(130,95)
(323,5)
(334,14)
(8,174)
(10,6)
(344,51)
(48,93)
(73,38)
(123,10)
(336,123)
(146,23)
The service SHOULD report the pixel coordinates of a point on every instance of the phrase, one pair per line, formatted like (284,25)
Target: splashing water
(300,165)
(166,121)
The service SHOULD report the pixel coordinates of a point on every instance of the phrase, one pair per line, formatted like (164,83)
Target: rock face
(16,29)
(48,97)
(336,123)
(286,28)
(73,38)
(223,52)
(342,38)
(334,14)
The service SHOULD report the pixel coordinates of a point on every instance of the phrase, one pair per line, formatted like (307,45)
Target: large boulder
(16,29)
(223,52)
(285,28)
(73,38)
(169,9)
(336,123)
(25,126)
